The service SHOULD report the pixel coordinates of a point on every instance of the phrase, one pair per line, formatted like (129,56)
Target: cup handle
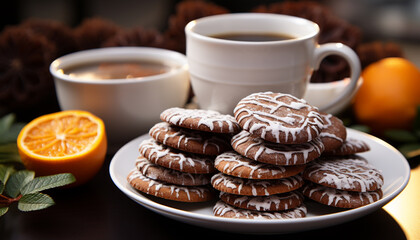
(322,51)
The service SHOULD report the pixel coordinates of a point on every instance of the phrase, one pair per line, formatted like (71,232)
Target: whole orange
(389,95)
(64,142)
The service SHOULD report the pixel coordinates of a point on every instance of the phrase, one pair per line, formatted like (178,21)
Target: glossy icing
(253,187)
(211,119)
(282,201)
(340,198)
(159,153)
(289,154)
(346,173)
(224,210)
(175,177)
(154,187)
(180,138)
(267,114)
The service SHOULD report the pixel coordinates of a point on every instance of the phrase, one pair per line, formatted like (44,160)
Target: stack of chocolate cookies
(261,177)
(263,162)
(341,178)
(178,162)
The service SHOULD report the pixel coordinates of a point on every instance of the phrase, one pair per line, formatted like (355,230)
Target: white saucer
(394,167)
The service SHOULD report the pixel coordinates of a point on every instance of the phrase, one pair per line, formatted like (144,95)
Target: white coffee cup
(224,71)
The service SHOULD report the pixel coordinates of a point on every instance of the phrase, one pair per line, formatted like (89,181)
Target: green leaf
(410,150)
(35,201)
(17,180)
(9,130)
(8,148)
(10,158)
(46,182)
(12,133)
(399,135)
(5,172)
(3,210)
(5,122)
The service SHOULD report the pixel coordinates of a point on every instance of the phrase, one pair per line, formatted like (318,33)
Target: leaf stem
(4,200)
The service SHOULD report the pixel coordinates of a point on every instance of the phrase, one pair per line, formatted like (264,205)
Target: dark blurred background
(390,19)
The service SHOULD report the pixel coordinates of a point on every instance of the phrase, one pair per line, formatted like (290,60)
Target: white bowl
(129,107)
(321,94)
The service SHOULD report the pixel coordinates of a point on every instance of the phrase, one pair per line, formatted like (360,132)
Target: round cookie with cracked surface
(221,209)
(340,198)
(276,202)
(334,132)
(253,187)
(172,158)
(350,146)
(350,173)
(280,118)
(234,164)
(200,119)
(189,140)
(171,176)
(169,191)
(278,154)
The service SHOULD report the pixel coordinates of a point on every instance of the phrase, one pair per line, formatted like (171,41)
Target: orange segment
(68,141)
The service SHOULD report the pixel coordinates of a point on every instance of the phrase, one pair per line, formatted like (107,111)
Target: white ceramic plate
(383,156)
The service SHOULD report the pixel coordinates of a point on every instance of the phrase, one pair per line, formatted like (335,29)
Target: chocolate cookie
(280,118)
(279,154)
(350,146)
(175,159)
(334,132)
(202,120)
(340,198)
(170,176)
(189,140)
(276,202)
(221,209)
(234,164)
(253,187)
(169,191)
(351,173)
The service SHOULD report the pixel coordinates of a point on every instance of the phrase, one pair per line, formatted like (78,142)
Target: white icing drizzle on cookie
(154,186)
(271,121)
(209,118)
(327,124)
(181,178)
(159,151)
(239,184)
(235,161)
(225,210)
(289,151)
(351,146)
(348,173)
(282,201)
(336,197)
(184,137)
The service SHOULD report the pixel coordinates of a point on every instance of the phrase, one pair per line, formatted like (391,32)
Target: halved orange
(64,142)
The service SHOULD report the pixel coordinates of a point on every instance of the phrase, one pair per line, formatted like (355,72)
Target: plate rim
(348,214)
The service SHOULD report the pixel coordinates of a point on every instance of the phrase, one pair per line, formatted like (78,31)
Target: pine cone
(26,86)
(138,36)
(59,34)
(375,51)
(187,11)
(93,32)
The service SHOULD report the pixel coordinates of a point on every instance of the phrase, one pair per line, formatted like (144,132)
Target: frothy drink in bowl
(233,55)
